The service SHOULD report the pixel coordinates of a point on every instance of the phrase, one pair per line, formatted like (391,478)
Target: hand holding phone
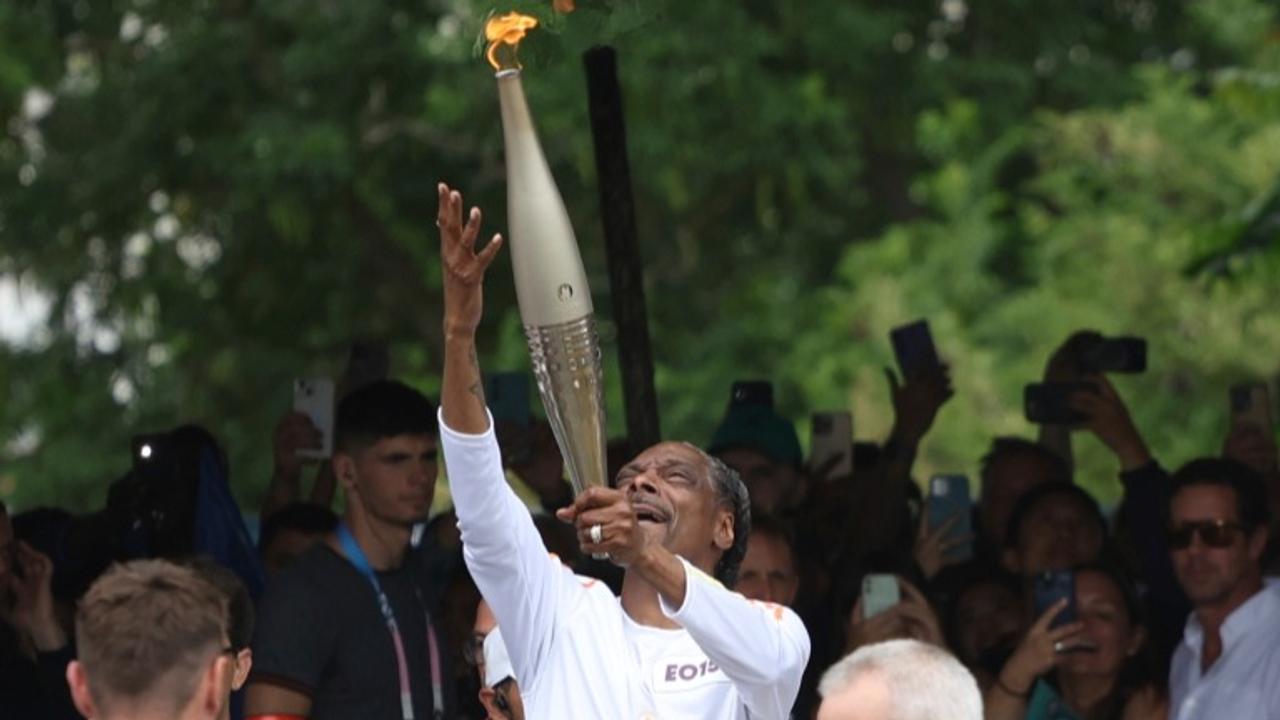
(1050,403)
(1114,355)
(294,432)
(1052,586)
(880,592)
(1251,405)
(831,445)
(949,502)
(313,397)
(913,346)
(1041,649)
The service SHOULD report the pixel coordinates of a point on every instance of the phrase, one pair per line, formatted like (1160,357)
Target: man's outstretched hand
(620,533)
(624,541)
(462,265)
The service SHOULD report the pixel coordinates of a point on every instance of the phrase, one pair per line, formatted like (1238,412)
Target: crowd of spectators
(164,604)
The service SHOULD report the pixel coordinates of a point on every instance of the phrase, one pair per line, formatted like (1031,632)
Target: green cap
(759,428)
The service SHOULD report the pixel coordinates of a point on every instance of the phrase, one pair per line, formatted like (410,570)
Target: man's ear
(210,696)
(344,468)
(79,684)
(244,664)
(724,530)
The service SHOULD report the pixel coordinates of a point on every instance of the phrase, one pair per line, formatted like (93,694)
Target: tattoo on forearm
(477,388)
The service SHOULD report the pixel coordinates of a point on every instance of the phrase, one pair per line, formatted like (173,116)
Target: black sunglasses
(473,649)
(500,697)
(1213,533)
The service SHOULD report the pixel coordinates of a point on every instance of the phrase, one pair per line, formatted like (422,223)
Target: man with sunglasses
(499,692)
(1228,663)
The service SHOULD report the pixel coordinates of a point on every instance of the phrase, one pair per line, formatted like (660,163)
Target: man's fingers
(1085,402)
(856,612)
(1066,631)
(1106,389)
(490,251)
(892,377)
(595,497)
(923,531)
(912,592)
(442,205)
(449,217)
(601,516)
(949,523)
(471,230)
(1046,618)
(587,542)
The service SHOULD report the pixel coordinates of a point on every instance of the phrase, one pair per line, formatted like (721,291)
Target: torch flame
(508,30)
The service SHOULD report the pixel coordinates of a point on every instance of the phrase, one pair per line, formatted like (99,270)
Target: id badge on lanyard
(358,559)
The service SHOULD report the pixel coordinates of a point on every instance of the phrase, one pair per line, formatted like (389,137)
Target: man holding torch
(676,644)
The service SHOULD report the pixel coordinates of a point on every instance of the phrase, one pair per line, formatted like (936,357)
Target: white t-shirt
(574,650)
(1244,682)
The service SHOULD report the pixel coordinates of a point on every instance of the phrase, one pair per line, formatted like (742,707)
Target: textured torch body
(553,295)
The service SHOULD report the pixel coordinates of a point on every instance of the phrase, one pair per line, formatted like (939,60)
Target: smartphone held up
(879,593)
(1251,405)
(949,502)
(314,398)
(1050,403)
(831,445)
(914,349)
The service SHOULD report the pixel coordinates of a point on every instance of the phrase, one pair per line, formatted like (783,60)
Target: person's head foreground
(152,643)
(899,680)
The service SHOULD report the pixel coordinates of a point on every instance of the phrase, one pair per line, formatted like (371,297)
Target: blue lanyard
(360,561)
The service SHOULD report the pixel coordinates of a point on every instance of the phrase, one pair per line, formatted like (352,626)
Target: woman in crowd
(1093,669)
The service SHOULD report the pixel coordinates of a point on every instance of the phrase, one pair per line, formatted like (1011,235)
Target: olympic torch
(551,285)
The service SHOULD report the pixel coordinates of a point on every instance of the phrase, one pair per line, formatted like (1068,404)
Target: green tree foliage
(217,196)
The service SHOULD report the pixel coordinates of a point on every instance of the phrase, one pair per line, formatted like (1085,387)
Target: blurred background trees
(201,200)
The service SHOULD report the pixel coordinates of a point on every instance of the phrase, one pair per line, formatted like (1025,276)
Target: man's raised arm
(524,585)
(462,391)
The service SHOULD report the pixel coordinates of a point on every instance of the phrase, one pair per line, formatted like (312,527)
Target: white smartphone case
(314,397)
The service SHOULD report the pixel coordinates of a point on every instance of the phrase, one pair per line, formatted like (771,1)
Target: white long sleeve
(762,647)
(524,585)
(574,650)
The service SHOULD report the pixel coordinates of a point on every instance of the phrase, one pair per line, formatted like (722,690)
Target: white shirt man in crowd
(676,644)
(1228,663)
(499,691)
(899,680)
